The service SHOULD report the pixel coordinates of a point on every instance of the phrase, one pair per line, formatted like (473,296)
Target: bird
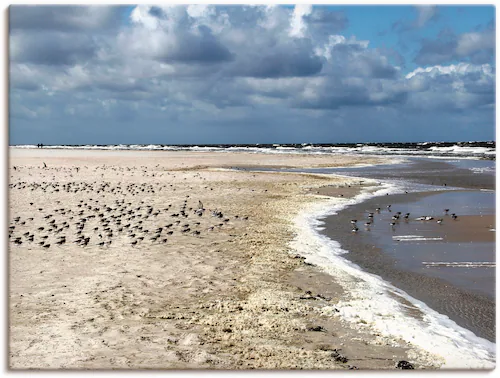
(439,221)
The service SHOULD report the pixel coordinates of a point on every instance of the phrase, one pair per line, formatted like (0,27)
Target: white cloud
(140,15)
(200,10)
(453,69)
(297,25)
(452,87)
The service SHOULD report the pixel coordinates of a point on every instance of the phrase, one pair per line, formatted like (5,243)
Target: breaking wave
(485,150)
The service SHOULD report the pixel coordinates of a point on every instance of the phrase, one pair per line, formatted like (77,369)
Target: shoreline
(361,308)
(243,300)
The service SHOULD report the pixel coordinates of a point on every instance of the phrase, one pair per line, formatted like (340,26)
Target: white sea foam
(461,264)
(464,150)
(456,150)
(482,170)
(369,303)
(410,238)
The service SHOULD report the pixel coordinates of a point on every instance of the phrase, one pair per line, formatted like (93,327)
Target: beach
(220,286)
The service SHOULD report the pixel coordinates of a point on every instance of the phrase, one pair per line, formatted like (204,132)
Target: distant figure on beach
(40,145)
(44,165)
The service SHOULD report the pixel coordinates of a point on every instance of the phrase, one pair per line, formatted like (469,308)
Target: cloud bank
(239,74)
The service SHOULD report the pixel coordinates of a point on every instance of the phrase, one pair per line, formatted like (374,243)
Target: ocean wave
(439,149)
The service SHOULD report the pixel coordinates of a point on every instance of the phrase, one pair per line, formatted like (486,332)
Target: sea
(405,281)
(476,149)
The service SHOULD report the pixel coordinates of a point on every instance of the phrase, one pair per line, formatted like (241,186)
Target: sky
(203,74)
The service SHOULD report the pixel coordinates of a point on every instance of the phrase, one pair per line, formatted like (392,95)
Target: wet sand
(468,308)
(465,229)
(119,293)
(430,172)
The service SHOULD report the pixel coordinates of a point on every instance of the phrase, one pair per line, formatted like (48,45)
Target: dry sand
(233,297)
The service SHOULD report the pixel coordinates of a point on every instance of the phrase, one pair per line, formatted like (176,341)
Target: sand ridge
(230,297)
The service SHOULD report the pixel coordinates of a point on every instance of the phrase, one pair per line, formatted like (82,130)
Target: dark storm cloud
(280,64)
(376,68)
(26,86)
(326,20)
(52,48)
(121,86)
(338,93)
(64,17)
(477,47)
(354,58)
(169,35)
(393,54)
(436,51)
(196,48)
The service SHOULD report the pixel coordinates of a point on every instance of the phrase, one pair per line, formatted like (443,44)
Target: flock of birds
(395,219)
(99,222)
